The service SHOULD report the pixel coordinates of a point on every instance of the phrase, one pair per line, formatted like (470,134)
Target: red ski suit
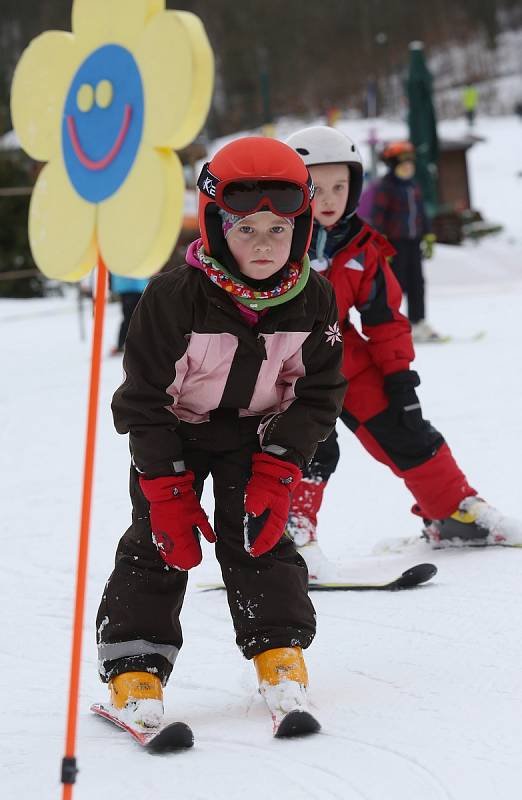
(363,279)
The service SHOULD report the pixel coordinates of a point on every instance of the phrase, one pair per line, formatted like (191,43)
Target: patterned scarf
(293,280)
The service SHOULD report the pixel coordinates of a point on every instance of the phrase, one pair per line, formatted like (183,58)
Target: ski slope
(419,693)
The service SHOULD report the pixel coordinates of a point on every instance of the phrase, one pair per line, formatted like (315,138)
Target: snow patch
(283,697)
(141,714)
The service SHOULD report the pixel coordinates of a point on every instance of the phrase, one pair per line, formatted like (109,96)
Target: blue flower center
(102,122)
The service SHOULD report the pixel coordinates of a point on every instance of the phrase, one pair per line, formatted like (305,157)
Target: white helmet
(323,145)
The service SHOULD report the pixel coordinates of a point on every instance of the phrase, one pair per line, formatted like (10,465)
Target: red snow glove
(267,501)
(175,517)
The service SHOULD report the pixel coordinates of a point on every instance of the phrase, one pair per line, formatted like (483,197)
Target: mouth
(327,213)
(104,162)
(262,261)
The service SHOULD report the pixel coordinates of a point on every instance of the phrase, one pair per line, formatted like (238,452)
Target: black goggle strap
(311,188)
(207,183)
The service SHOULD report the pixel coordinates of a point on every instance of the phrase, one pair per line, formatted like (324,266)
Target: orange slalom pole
(69,768)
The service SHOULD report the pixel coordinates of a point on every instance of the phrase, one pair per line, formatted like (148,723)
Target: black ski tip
(177,736)
(297,723)
(416,575)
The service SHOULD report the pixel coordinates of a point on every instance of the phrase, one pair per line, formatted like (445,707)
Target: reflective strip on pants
(136,647)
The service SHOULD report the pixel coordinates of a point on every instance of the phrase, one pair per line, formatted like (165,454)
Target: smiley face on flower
(105,106)
(102,122)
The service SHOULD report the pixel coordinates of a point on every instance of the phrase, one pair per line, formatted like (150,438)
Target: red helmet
(255,174)
(394,152)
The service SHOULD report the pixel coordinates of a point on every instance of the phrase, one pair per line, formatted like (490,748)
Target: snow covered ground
(419,693)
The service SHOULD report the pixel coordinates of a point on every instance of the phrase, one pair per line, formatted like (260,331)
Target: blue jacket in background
(122,285)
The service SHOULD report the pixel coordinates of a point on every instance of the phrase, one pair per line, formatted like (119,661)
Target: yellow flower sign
(105,106)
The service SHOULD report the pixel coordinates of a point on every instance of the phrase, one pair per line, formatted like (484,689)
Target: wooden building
(453,189)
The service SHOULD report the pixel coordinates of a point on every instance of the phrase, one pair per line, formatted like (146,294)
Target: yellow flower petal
(99,22)
(177,69)
(61,226)
(202,80)
(40,85)
(155,6)
(139,225)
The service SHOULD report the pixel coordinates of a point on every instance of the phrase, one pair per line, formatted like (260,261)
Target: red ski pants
(418,455)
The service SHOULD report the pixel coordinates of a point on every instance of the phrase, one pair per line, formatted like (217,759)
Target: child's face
(332,186)
(405,170)
(261,244)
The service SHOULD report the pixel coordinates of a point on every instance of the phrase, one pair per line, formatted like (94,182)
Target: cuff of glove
(286,454)
(158,490)
(161,469)
(265,464)
(401,381)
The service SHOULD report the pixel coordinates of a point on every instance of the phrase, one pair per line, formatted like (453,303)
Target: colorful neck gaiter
(293,280)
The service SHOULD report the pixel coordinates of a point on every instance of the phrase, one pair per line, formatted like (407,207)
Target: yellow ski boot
(283,682)
(137,698)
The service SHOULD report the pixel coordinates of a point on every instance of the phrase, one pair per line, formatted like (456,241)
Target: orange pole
(69,769)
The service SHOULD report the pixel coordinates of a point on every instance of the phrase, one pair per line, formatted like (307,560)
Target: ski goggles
(284,198)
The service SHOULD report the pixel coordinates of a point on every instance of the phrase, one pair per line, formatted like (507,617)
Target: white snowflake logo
(333,334)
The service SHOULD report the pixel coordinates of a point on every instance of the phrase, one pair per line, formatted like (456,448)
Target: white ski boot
(475,523)
(302,529)
(320,568)
(423,333)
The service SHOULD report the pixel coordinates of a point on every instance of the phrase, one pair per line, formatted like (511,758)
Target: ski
(409,579)
(420,573)
(455,339)
(167,739)
(401,544)
(296,723)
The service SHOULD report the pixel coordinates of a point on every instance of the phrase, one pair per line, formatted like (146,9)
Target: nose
(263,244)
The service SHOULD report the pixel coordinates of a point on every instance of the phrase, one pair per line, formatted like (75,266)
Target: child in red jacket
(381,405)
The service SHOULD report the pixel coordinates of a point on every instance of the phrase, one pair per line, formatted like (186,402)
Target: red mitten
(267,501)
(176,517)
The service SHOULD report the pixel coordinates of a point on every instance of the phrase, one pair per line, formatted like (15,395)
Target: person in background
(398,212)
(381,406)
(469,102)
(129,291)
(365,207)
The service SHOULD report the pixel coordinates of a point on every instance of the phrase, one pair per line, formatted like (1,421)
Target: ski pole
(69,768)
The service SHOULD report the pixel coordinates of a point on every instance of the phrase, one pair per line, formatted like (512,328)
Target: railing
(19,273)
